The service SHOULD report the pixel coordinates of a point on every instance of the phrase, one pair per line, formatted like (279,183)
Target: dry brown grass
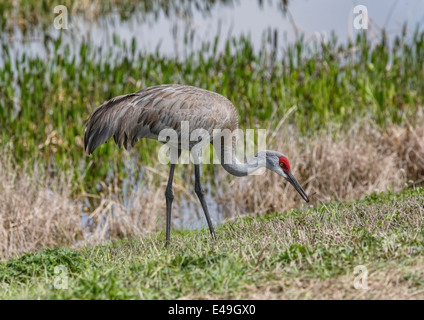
(346,167)
(112,220)
(38,211)
(35,211)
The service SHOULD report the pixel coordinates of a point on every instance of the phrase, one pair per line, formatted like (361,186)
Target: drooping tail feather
(105,122)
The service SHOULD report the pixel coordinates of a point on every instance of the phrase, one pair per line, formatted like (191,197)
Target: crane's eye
(284,163)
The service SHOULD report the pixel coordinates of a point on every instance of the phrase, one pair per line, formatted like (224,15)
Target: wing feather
(145,113)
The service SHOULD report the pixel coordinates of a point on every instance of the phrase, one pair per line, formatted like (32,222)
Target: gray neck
(232,165)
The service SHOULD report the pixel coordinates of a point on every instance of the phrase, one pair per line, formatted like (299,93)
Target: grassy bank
(308,253)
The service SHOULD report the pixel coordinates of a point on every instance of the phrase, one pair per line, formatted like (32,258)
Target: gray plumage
(145,113)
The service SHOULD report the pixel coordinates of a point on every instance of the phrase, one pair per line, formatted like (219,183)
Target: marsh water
(184,27)
(181,28)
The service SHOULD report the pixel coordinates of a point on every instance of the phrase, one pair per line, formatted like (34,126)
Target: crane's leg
(200,194)
(169,195)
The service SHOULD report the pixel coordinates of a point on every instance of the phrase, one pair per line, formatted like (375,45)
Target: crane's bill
(297,186)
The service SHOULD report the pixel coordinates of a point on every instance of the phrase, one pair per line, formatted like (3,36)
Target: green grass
(308,253)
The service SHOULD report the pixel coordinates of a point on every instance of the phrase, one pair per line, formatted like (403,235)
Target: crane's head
(278,163)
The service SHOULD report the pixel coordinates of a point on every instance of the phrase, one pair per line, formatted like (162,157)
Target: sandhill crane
(145,113)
